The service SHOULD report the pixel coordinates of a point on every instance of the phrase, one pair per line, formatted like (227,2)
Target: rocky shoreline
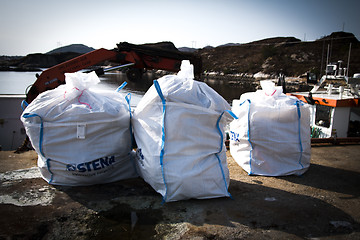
(19,69)
(292,84)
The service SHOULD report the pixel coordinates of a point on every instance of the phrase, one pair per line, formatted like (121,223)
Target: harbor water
(14,85)
(19,82)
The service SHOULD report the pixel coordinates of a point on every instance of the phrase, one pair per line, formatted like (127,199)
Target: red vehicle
(137,58)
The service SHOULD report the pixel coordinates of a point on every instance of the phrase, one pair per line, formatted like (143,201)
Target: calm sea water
(18,82)
(15,82)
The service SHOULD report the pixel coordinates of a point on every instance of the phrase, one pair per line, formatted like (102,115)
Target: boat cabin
(335,109)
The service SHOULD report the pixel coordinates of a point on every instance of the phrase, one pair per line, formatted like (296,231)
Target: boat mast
(327,59)
(347,71)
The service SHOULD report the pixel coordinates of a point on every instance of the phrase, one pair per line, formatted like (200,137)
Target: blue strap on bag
(128,100)
(121,86)
(298,104)
(30,115)
(24,104)
(249,134)
(163,100)
(222,144)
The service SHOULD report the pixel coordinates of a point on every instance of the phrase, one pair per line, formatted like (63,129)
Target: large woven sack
(82,135)
(179,130)
(271,136)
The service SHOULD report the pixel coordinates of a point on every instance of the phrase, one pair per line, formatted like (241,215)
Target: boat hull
(12,131)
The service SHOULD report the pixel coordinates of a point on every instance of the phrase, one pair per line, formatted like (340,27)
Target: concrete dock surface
(321,204)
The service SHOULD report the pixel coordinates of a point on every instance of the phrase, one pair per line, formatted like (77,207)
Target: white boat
(12,131)
(335,108)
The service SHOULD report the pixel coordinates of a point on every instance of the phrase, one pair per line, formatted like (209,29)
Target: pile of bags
(84,136)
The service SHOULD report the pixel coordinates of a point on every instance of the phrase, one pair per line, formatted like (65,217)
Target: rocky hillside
(39,60)
(282,54)
(271,56)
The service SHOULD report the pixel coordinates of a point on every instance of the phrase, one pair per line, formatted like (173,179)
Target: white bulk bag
(178,127)
(82,136)
(271,136)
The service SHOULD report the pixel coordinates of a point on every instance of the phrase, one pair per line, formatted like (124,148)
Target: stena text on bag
(271,136)
(178,127)
(82,135)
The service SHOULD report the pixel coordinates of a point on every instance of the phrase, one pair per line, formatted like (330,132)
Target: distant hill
(187,49)
(49,59)
(38,60)
(339,36)
(270,56)
(75,48)
(229,45)
(288,55)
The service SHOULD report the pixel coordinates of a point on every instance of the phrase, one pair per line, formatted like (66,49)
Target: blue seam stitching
(221,147)
(23,102)
(299,126)
(128,99)
(248,135)
(158,89)
(121,86)
(28,115)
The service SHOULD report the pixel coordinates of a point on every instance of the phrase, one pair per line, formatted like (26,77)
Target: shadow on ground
(131,209)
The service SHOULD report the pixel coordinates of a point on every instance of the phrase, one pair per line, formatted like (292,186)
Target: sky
(39,26)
